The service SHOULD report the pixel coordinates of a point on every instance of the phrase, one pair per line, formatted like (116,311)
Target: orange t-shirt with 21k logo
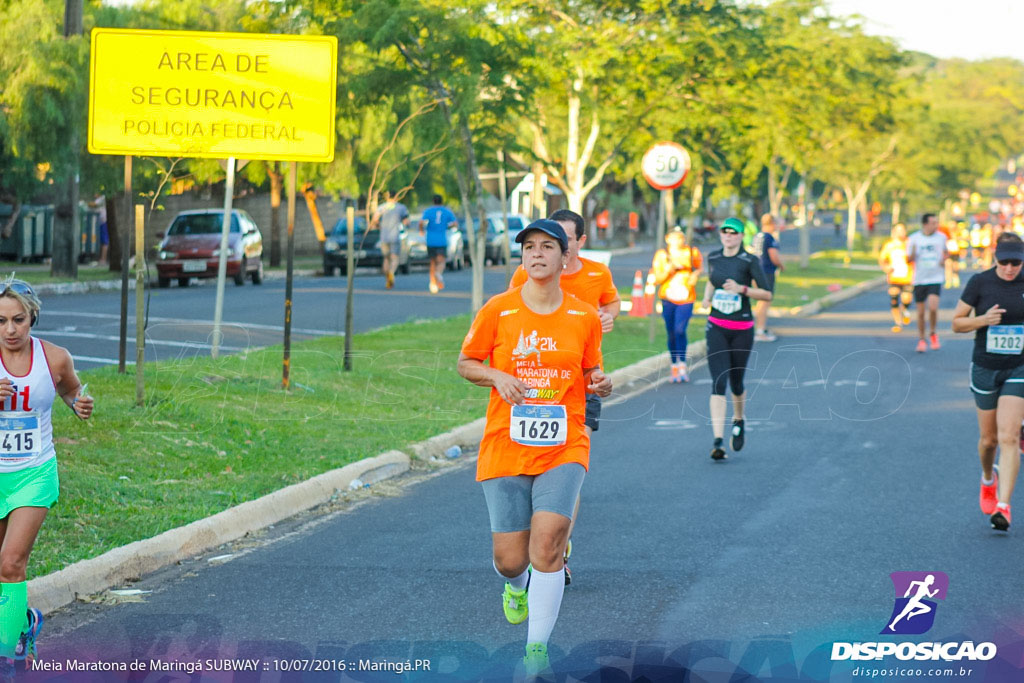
(548,353)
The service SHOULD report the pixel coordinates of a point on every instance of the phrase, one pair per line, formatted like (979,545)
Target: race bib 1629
(538,425)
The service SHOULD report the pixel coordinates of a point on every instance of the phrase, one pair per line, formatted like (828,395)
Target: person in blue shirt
(436,221)
(766,247)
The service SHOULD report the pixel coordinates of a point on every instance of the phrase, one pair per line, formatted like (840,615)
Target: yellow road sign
(212,95)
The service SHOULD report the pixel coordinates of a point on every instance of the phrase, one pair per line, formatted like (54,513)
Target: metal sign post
(126,240)
(140,318)
(286,372)
(350,218)
(222,264)
(664,166)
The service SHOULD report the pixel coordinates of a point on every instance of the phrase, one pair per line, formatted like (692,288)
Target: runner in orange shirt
(591,282)
(676,270)
(899,275)
(543,353)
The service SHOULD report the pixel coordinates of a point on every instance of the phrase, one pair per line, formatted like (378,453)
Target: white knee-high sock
(545,599)
(518,582)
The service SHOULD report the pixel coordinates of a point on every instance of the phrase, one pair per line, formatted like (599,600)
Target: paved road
(181,320)
(860,462)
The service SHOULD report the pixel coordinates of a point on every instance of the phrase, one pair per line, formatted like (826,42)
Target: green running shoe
(25,650)
(515,604)
(536,660)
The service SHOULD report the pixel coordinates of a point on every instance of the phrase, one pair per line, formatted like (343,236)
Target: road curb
(136,559)
(132,561)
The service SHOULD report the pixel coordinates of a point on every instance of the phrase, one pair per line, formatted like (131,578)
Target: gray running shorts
(511,501)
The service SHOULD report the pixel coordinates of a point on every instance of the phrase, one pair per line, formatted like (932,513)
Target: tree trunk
(66,240)
(114,233)
(696,206)
(309,194)
(572,147)
(772,189)
(851,221)
(538,199)
(805,237)
(853,200)
(276,186)
(670,211)
(776,188)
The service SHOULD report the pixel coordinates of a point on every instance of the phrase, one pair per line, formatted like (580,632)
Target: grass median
(215,433)
(796,286)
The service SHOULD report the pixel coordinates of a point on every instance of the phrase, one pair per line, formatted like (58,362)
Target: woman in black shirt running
(734,278)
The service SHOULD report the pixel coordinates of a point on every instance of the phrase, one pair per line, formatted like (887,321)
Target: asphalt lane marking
(149,342)
(105,361)
(183,321)
(383,292)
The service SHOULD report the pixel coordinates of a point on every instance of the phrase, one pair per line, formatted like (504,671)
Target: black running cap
(546,226)
(1010,250)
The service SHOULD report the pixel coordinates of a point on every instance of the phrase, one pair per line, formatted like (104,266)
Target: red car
(191,248)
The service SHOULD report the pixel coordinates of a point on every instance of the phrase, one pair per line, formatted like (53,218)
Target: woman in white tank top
(33,374)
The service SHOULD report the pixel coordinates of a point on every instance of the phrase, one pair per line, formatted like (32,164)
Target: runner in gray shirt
(389,219)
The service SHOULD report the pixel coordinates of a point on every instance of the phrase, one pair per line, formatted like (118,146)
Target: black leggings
(728,353)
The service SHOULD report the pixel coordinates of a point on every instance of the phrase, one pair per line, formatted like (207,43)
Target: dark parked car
(191,248)
(367,247)
(494,251)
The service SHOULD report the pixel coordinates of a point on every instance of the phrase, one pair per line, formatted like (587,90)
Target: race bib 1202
(1005,339)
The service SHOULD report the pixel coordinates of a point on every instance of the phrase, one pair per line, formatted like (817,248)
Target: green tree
(457,56)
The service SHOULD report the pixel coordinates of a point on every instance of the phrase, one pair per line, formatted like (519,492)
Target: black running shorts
(593,414)
(922,292)
(988,385)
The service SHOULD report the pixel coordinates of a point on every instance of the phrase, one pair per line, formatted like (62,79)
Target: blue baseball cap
(548,227)
(1009,249)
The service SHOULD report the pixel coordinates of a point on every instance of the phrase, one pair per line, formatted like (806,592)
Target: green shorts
(31,487)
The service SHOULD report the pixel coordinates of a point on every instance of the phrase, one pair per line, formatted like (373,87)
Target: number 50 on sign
(665,165)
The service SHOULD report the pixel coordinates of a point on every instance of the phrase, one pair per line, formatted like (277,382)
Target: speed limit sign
(665,165)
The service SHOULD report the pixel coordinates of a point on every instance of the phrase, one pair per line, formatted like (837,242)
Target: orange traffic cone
(649,291)
(637,302)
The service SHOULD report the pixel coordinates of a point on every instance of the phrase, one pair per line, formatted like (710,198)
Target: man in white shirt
(926,249)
